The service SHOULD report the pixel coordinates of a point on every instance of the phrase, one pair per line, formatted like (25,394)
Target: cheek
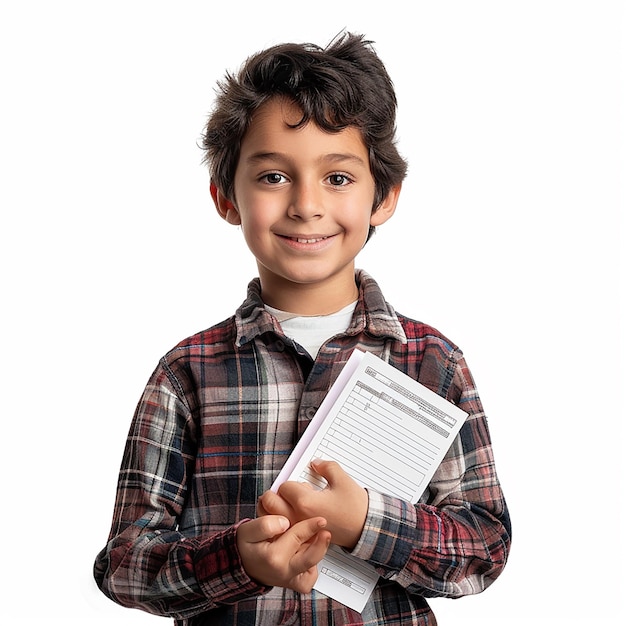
(358,218)
(255,233)
(254,224)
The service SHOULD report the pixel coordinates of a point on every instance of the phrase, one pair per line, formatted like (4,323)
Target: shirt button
(310,412)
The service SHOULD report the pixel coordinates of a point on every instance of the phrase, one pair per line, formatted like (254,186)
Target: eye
(339,180)
(273,178)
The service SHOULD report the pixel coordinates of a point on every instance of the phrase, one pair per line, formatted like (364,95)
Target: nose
(306,201)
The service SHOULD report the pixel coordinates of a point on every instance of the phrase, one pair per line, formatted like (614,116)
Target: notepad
(389,433)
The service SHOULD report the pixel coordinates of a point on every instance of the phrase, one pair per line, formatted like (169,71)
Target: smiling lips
(305,239)
(299,240)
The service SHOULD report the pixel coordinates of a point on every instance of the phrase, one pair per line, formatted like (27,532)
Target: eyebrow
(332,157)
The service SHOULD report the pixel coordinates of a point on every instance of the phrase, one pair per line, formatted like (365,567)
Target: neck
(308,298)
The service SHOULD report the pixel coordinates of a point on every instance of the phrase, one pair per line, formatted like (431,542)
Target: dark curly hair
(342,85)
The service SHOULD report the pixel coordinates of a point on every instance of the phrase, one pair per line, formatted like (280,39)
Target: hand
(276,554)
(343,503)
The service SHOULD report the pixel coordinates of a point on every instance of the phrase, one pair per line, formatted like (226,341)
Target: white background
(507,239)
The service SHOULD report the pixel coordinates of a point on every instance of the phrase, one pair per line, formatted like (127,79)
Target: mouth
(302,240)
(306,239)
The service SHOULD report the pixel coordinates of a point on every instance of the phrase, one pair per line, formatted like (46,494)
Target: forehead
(273,127)
(277,110)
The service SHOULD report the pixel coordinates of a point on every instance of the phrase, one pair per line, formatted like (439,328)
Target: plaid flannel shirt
(218,419)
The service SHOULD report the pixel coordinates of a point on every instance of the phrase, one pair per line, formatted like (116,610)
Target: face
(303,198)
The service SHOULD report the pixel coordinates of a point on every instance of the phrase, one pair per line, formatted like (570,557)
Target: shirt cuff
(220,572)
(390,532)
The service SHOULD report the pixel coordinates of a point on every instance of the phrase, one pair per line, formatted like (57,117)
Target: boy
(302,156)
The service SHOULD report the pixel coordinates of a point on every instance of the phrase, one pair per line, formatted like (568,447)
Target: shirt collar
(372,314)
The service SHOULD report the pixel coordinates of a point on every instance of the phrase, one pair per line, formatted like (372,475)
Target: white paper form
(390,434)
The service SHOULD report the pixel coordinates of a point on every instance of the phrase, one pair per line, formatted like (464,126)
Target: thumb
(330,470)
(263,528)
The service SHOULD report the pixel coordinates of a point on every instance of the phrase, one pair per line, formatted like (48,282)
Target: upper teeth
(310,240)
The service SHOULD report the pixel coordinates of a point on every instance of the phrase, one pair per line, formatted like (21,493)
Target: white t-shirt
(311,331)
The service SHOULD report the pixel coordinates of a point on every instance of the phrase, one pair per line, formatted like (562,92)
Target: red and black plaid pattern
(217,420)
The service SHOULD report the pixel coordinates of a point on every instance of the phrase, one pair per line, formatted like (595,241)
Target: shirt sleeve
(456,540)
(147,563)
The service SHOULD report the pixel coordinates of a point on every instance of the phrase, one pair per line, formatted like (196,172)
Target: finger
(297,495)
(330,470)
(301,533)
(311,552)
(263,528)
(274,504)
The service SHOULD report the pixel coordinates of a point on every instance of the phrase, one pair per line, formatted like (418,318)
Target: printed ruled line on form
(427,407)
(365,426)
(384,421)
(343,580)
(408,410)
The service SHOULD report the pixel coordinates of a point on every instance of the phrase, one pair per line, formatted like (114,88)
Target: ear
(386,208)
(226,209)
